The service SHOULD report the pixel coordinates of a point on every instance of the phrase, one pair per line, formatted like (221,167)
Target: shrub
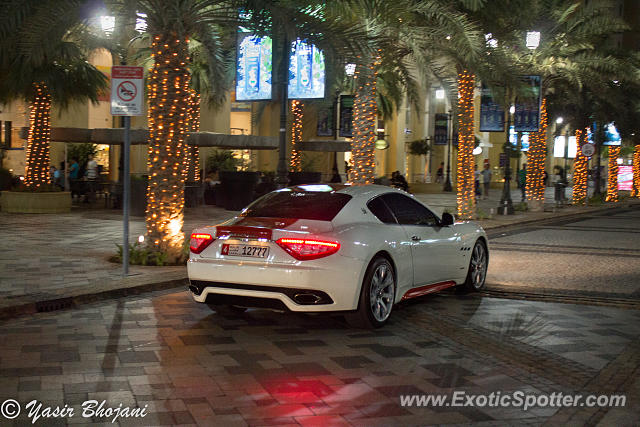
(6,179)
(142,255)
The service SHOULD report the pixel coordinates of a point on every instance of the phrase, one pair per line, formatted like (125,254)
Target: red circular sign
(588,150)
(126,91)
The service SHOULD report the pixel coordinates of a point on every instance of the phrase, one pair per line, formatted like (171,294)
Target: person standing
(477,177)
(92,177)
(486,180)
(522,180)
(440,173)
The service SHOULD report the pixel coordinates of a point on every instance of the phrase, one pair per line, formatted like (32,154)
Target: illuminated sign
(625,178)
(306,71)
(611,135)
(524,140)
(559,147)
(254,68)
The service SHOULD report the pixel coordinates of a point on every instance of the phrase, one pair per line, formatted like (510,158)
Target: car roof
(369,190)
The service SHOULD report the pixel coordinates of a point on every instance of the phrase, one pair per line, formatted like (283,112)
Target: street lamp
(533,39)
(506,204)
(447,183)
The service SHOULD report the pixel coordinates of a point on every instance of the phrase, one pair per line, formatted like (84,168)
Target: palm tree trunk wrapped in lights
(296,135)
(39,139)
(612,187)
(364,123)
(466,143)
(635,189)
(580,170)
(192,152)
(536,159)
(168,92)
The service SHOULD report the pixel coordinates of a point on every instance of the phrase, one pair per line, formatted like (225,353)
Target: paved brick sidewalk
(65,256)
(189,365)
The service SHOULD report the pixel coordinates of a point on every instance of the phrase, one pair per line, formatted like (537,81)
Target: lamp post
(447,182)
(336,118)
(506,204)
(282,179)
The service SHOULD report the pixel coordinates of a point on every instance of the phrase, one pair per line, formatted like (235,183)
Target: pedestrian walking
(486,180)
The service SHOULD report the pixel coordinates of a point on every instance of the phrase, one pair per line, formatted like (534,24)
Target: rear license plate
(245,250)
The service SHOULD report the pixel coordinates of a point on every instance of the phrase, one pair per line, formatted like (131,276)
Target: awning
(115,136)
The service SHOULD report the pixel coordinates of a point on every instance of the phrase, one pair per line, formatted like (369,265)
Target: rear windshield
(319,206)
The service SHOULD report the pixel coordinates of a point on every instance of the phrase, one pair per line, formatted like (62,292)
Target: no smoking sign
(126,91)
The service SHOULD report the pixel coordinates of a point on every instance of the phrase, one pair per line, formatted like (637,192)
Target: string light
(612,188)
(296,135)
(466,143)
(39,139)
(635,189)
(537,158)
(168,99)
(580,170)
(191,169)
(364,123)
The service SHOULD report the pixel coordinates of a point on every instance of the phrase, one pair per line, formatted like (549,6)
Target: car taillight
(199,241)
(306,249)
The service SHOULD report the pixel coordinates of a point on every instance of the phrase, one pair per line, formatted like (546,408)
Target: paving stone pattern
(190,365)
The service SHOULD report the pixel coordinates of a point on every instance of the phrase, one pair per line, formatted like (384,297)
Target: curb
(54,304)
(563,216)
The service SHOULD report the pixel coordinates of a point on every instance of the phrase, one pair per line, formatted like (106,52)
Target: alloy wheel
(478,267)
(382,291)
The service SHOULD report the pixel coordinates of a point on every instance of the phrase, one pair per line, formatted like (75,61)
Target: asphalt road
(596,255)
(184,364)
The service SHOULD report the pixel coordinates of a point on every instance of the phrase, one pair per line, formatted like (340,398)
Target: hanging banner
(346,116)
(527,115)
(254,68)
(491,113)
(325,121)
(306,71)
(441,131)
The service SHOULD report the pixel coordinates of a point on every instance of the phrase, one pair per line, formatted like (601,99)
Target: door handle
(415,238)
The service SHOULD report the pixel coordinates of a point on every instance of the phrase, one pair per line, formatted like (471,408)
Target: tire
(377,296)
(478,264)
(227,310)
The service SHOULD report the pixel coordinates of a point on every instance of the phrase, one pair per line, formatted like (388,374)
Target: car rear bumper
(330,284)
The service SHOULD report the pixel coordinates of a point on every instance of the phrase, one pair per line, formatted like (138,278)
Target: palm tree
(317,23)
(44,49)
(407,41)
(171,27)
(211,68)
(577,70)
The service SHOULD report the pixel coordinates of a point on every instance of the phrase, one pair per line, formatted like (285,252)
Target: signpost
(588,149)
(126,100)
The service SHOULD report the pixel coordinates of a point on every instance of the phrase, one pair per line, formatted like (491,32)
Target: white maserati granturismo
(327,248)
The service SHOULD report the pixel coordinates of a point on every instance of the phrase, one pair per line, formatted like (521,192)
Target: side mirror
(447,219)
